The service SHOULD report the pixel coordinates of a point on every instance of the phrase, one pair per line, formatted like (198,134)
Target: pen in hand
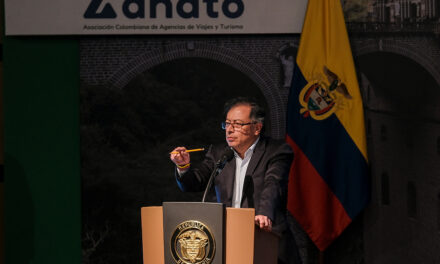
(188,150)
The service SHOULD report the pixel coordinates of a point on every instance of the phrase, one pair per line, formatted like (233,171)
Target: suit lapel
(248,187)
(256,156)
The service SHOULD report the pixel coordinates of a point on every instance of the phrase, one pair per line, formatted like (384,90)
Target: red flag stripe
(312,203)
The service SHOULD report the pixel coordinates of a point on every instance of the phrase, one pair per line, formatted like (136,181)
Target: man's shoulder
(269,144)
(273,144)
(218,149)
(218,146)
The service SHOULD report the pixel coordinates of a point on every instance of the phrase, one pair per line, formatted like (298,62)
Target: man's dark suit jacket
(265,185)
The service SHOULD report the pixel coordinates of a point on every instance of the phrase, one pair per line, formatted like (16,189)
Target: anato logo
(184,8)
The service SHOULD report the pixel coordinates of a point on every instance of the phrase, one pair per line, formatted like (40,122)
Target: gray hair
(257,112)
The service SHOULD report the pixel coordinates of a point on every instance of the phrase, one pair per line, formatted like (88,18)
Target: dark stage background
(126,135)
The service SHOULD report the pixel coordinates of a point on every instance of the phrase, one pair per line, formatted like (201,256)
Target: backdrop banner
(95,17)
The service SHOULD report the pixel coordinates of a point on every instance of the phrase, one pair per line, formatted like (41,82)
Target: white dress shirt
(240,173)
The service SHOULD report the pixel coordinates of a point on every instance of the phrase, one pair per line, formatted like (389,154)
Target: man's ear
(258,127)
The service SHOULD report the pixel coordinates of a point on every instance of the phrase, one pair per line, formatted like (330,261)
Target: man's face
(241,138)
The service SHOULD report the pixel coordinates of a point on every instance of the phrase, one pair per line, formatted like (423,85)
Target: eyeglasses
(236,125)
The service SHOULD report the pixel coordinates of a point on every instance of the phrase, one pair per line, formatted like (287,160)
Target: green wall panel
(42,163)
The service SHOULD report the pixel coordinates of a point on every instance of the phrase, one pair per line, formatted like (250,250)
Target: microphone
(227,155)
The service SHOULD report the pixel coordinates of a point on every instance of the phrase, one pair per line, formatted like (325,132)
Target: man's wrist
(183,167)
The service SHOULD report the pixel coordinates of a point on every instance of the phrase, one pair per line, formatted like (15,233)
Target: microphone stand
(218,168)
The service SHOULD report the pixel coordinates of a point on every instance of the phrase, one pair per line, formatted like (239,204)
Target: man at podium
(254,174)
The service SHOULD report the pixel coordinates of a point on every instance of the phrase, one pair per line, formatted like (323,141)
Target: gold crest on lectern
(192,243)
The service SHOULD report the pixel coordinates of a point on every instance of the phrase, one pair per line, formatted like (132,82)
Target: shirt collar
(249,150)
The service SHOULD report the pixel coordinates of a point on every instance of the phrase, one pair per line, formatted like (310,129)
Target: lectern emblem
(192,243)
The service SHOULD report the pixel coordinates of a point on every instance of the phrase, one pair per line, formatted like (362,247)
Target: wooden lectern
(244,242)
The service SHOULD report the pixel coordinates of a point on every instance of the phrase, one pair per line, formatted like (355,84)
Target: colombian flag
(328,184)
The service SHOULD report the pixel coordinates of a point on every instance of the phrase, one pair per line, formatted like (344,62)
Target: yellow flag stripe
(324,42)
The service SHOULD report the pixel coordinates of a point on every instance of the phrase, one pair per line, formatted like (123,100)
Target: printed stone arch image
(400,81)
(401,98)
(126,135)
